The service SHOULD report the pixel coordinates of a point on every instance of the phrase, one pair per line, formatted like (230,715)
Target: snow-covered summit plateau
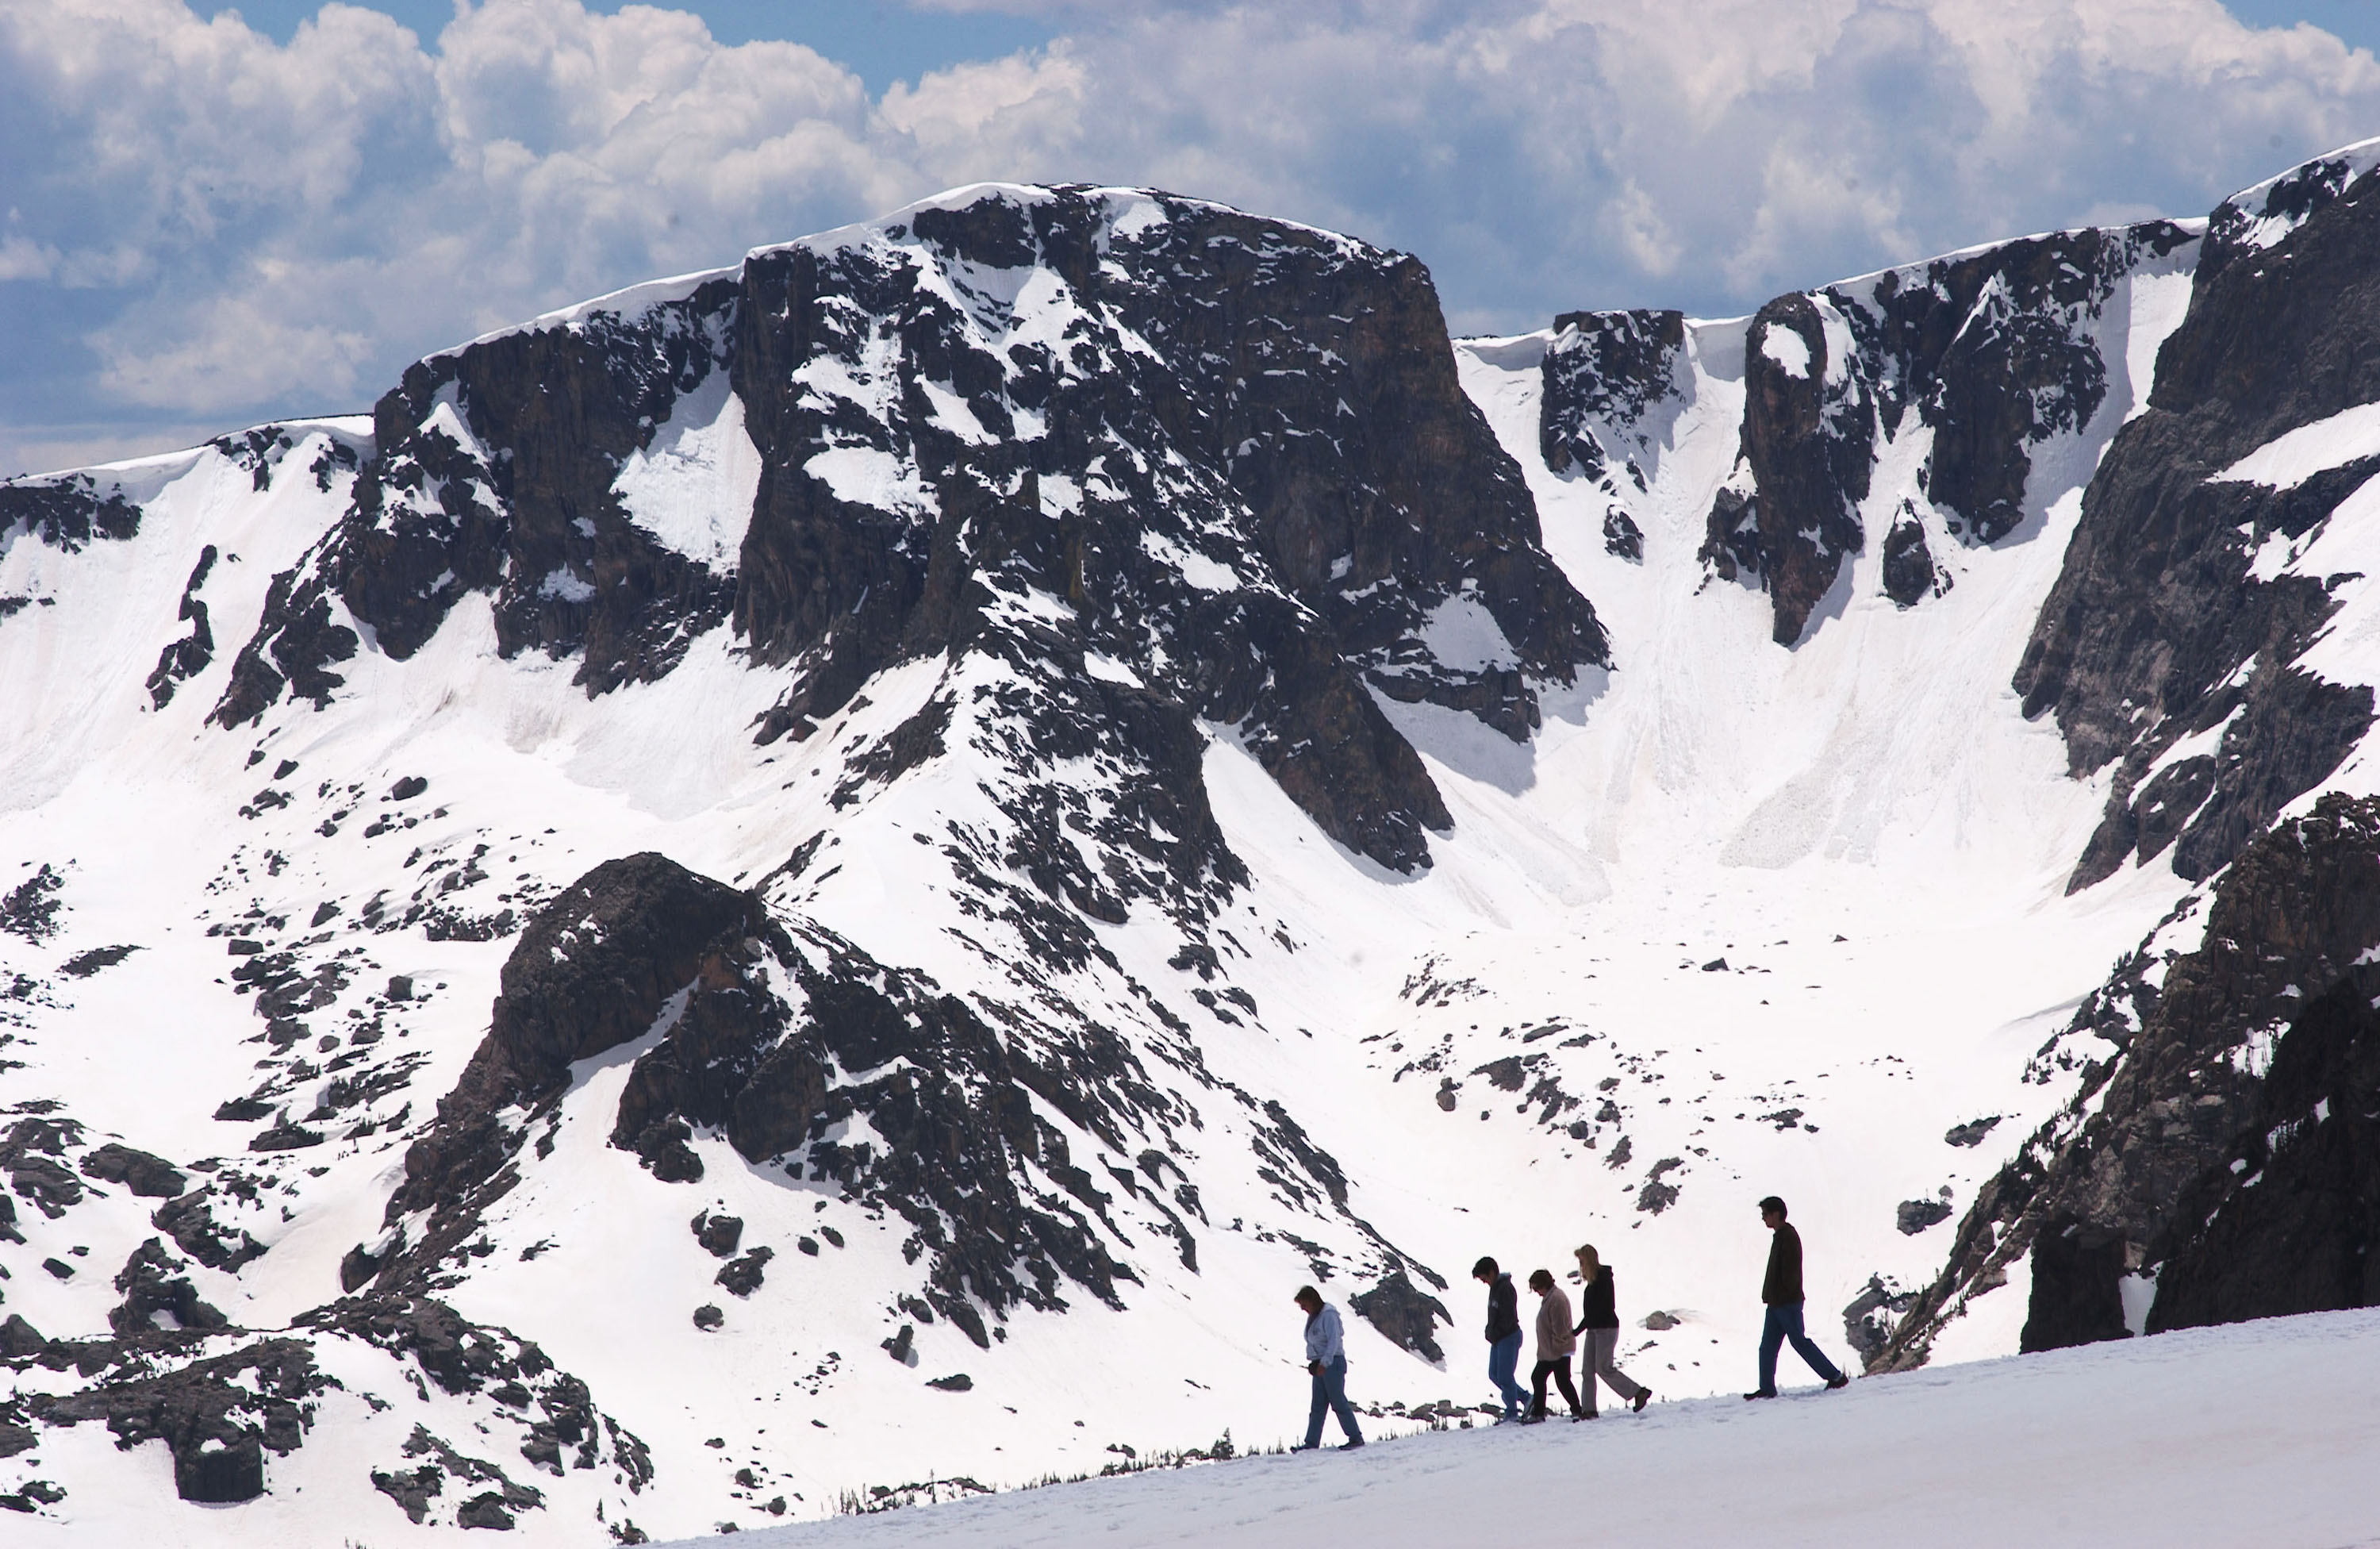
(837,875)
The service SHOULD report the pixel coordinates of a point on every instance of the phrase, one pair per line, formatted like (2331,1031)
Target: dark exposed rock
(519,504)
(1971,1133)
(1403,1312)
(708,1317)
(1910,576)
(30,909)
(413,1489)
(1868,1319)
(82,965)
(1657,1194)
(218,1415)
(2156,619)
(1994,351)
(150,1287)
(958,1381)
(191,1222)
(2285,1221)
(2075,1297)
(136,1170)
(1302,398)
(189,656)
(742,1277)
(68,511)
(1809,433)
(1912,1217)
(1001,1213)
(717,1234)
(2137,1170)
(592,970)
(285,1136)
(1603,369)
(19,1340)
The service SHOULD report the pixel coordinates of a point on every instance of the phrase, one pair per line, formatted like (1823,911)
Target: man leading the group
(1781,1290)
(1325,1358)
(1503,1334)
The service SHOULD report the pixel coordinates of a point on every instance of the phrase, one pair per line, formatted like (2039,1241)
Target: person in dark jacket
(1781,1290)
(1599,1326)
(1326,1359)
(1503,1334)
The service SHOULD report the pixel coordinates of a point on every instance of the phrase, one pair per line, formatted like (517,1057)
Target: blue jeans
(1330,1393)
(1503,1358)
(1785,1323)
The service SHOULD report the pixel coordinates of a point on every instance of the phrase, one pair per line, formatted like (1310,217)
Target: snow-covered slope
(842,872)
(2111,1444)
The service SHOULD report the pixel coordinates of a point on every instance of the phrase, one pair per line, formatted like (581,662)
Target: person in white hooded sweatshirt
(1326,1359)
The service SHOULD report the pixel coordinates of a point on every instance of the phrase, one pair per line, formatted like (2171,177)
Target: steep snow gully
(835,876)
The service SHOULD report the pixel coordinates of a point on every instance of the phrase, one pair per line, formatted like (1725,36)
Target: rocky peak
(1232,450)
(2160,626)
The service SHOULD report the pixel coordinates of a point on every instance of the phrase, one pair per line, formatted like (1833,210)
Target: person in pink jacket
(1555,1343)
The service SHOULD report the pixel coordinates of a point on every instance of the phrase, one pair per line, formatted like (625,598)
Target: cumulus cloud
(239,228)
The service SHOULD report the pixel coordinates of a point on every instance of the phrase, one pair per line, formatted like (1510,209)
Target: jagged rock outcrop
(2159,627)
(1993,352)
(777,1035)
(1243,463)
(2151,1168)
(68,511)
(228,1403)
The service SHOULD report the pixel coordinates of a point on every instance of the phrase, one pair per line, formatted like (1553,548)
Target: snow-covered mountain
(841,872)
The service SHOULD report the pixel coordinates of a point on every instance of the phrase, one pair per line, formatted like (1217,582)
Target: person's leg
(1321,1403)
(1772,1339)
(1561,1380)
(1503,1359)
(1806,1347)
(1606,1348)
(1334,1377)
(1537,1375)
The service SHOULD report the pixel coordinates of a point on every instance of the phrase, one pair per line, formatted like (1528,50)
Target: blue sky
(208,220)
(880,43)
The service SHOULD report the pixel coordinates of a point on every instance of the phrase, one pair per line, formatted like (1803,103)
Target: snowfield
(2260,1433)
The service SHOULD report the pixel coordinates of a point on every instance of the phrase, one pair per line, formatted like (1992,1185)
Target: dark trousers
(1785,1323)
(1560,1371)
(1503,1360)
(1330,1393)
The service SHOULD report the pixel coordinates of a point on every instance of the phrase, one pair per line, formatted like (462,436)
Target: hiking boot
(1643,1397)
(1763,1393)
(1351,1446)
(1837,1380)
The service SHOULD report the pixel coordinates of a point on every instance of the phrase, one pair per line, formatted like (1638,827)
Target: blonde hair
(1589,1260)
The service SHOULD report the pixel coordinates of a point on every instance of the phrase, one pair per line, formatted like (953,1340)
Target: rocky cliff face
(1993,354)
(2164,626)
(1236,449)
(2202,1064)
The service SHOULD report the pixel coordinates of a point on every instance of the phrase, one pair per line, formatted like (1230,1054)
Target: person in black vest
(1781,1290)
(1503,1335)
(1599,1327)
